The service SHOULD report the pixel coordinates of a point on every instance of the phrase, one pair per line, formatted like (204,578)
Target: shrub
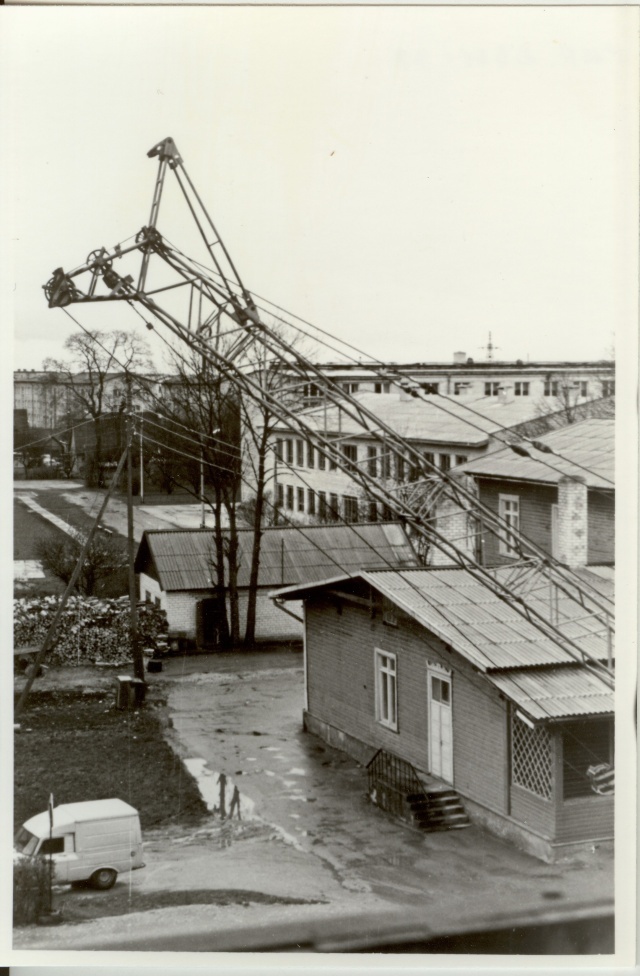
(30,890)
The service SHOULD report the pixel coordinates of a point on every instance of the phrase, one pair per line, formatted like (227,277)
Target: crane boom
(221,296)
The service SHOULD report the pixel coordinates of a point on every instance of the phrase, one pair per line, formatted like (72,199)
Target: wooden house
(431,669)
(560,495)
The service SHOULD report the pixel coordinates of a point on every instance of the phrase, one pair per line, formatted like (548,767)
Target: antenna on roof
(489,347)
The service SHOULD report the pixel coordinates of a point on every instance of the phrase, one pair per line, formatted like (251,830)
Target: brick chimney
(573,535)
(452,523)
(459,358)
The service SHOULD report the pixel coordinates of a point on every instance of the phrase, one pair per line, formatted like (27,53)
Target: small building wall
(535,514)
(601,510)
(181,609)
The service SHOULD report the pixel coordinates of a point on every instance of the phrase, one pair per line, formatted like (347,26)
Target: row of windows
(380,463)
(329,506)
(552,388)
(311,391)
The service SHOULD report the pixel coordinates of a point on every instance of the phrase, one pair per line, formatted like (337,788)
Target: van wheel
(103,879)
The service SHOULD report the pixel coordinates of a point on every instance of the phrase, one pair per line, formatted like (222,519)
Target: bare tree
(95,359)
(198,441)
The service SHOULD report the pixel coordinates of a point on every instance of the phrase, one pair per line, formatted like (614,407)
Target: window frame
(350,508)
(300,500)
(386,694)
(505,548)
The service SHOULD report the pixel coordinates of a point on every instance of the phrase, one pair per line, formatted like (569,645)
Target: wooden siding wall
(585,818)
(534,811)
(341,691)
(535,514)
(601,518)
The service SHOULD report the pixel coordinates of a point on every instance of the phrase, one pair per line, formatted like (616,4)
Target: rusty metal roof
(184,559)
(563,692)
(584,449)
(472,619)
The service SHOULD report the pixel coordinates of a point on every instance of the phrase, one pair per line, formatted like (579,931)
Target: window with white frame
(280,495)
(289,444)
(608,388)
(372,464)
(311,501)
(300,454)
(521,388)
(386,689)
(300,494)
(290,497)
(279,449)
(311,456)
(551,388)
(584,388)
(322,459)
(445,462)
(509,511)
(491,388)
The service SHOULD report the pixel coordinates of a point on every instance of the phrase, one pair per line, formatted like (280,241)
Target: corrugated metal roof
(488,631)
(585,449)
(184,559)
(430,418)
(563,692)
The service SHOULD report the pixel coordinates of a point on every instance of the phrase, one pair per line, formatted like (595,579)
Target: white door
(440,726)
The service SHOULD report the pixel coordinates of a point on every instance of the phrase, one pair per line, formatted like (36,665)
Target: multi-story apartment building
(309,485)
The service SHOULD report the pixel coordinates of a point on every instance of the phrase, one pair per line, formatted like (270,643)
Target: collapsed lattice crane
(208,307)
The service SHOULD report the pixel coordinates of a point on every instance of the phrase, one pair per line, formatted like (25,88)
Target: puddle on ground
(216,793)
(296,771)
(243,808)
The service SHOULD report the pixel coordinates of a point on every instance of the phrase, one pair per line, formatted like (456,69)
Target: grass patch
(80,747)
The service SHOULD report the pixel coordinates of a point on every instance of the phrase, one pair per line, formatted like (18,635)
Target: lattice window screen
(531,758)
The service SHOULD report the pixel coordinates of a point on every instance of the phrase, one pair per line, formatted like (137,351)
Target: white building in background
(547,381)
(309,486)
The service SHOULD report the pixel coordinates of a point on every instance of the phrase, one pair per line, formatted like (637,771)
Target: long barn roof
(184,559)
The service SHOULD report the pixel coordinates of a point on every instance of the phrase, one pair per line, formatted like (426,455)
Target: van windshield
(25,841)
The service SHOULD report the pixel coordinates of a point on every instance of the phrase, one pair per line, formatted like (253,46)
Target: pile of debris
(91,631)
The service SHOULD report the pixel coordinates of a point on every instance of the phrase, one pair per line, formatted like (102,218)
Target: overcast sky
(408,179)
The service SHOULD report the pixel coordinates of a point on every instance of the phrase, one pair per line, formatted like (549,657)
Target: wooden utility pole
(136,650)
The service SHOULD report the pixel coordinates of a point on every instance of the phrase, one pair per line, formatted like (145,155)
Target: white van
(89,841)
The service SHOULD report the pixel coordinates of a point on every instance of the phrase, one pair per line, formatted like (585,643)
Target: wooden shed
(433,669)
(176,571)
